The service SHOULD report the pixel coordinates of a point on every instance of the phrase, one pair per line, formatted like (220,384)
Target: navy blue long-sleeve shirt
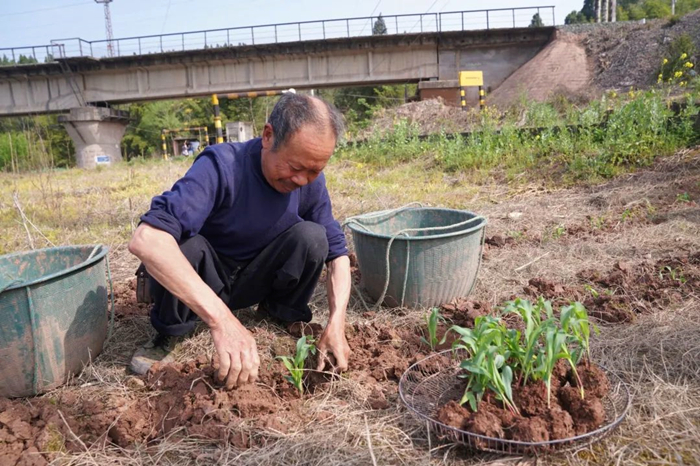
(225,197)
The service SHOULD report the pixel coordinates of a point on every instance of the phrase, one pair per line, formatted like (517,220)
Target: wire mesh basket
(432,382)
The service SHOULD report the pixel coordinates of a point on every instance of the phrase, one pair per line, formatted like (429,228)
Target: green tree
(536,21)
(26,59)
(586,15)
(656,9)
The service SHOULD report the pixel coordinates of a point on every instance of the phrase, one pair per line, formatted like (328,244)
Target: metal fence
(284,33)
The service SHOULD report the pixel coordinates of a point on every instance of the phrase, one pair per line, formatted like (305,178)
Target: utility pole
(606,11)
(613,10)
(673,7)
(108,26)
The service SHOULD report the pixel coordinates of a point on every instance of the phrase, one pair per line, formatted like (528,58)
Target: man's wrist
(336,320)
(214,313)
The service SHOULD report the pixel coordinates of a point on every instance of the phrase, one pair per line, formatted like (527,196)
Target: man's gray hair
(293,111)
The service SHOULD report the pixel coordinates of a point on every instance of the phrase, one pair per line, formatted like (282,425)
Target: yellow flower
(677,74)
(613,94)
(688,64)
(683,83)
(665,61)
(684,56)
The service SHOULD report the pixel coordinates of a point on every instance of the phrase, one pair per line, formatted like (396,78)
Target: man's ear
(268,138)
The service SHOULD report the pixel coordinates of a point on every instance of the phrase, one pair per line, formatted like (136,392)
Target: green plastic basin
(53,316)
(426,268)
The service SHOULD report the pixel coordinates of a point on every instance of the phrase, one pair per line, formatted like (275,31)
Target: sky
(38,22)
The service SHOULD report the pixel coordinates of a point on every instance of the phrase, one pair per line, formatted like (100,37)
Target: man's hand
(236,351)
(333,341)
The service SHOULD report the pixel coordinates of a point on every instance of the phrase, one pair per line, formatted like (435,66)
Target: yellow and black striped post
(252,95)
(471,79)
(217,119)
(165,148)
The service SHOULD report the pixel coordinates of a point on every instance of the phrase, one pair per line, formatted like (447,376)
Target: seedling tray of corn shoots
(519,383)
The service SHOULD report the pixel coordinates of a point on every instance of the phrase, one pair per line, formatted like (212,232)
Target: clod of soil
(533,429)
(627,289)
(588,413)
(484,422)
(453,414)
(593,379)
(561,424)
(464,311)
(498,241)
(531,399)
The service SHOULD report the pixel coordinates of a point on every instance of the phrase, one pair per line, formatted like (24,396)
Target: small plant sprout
(558,231)
(432,321)
(684,198)
(674,274)
(591,290)
(295,364)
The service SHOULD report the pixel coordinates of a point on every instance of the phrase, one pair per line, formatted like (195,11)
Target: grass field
(631,224)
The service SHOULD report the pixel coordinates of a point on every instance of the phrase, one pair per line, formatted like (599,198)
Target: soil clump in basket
(566,416)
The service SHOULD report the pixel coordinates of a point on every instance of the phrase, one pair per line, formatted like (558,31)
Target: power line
(165,17)
(43,9)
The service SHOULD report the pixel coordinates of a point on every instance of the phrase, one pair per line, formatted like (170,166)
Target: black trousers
(282,278)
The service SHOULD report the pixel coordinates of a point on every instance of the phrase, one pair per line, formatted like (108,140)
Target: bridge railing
(300,31)
(29,54)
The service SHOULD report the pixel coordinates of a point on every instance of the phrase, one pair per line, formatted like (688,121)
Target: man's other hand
(236,351)
(333,341)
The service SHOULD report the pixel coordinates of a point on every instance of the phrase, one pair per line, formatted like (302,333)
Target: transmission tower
(108,26)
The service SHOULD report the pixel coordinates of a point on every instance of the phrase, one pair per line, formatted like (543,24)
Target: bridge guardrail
(284,33)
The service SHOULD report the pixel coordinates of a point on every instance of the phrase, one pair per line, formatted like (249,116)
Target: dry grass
(658,355)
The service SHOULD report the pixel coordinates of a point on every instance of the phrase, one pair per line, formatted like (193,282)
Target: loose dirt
(561,67)
(186,399)
(428,116)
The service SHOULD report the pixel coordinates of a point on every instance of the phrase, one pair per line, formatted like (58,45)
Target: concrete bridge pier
(97,133)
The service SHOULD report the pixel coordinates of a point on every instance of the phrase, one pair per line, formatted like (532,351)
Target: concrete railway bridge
(84,78)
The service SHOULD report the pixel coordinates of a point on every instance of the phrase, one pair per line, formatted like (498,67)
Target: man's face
(299,160)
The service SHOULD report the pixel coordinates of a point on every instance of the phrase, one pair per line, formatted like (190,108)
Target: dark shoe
(157,350)
(296,329)
(263,314)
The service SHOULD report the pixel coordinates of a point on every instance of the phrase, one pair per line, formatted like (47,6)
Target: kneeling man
(249,223)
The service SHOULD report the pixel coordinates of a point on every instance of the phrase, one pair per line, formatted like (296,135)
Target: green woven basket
(431,255)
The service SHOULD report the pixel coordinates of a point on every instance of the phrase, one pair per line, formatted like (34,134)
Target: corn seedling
(534,326)
(685,198)
(432,321)
(496,355)
(295,364)
(574,321)
(674,274)
(591,290)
